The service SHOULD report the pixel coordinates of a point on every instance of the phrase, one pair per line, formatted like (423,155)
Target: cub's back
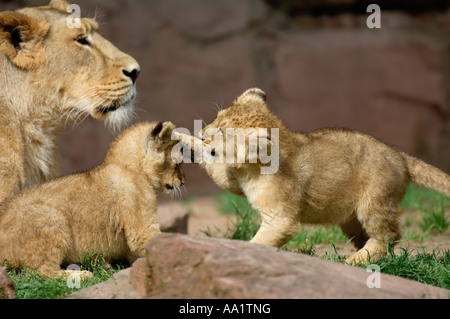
(352,147)
(343,163)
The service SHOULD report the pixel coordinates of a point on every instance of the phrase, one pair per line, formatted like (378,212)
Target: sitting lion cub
(329,176)
(108,211)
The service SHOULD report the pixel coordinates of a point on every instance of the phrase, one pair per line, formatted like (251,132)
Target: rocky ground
(195,265)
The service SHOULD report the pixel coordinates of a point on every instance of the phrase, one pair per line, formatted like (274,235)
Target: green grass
(232,204)
(431,268)
(417,197)
(433,205)
(30,285)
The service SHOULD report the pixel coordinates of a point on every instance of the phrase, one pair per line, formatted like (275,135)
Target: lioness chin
(52,75)
(109,211)
(329,176)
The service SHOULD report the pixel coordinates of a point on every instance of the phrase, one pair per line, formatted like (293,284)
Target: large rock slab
(179,266)
(6,285)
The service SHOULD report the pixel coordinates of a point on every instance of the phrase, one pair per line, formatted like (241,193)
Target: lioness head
(64,65)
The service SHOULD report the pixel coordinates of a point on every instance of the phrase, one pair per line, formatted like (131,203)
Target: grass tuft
(28,284)
(432,268)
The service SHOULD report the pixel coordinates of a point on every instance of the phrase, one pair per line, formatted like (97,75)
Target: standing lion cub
(108,211)
(329,176)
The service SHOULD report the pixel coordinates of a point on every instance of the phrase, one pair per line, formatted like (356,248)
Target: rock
(140,275)
(117,287)
(208,20)
(6,285)
(180,266)
(367,71)
(173,218)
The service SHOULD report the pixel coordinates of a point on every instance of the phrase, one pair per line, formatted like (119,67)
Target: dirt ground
(205,216)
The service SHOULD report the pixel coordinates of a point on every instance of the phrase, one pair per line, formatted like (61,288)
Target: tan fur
(330,176)
(109,211)
(48,80)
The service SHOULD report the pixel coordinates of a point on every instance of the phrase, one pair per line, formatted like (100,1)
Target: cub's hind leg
(38,238)
(353,229)
(57,272)
(380,223)
(377,206)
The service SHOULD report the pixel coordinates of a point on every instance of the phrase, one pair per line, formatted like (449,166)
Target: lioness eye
(82,40)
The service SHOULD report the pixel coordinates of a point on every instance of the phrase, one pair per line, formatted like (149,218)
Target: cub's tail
(427,175)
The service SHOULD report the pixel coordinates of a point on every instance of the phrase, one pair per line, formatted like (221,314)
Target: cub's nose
(132,73)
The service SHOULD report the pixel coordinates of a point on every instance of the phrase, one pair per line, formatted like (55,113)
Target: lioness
(108,211)
(52,75)
(329,176)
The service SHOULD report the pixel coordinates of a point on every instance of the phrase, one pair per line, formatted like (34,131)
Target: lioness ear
(21,39)
(162,135)
(253,94)
(59,4)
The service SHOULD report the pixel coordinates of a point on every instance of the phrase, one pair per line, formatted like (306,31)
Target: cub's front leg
(279,222)
(139,234)
(139,224)
(275,231)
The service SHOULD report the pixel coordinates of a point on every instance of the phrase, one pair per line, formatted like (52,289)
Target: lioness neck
(38,121)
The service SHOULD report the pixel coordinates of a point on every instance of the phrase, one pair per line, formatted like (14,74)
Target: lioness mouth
(114,107)
(106,110)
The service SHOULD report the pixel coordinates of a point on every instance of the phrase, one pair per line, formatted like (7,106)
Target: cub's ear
(21,39)
(162,135)
(59,4)
(252,95)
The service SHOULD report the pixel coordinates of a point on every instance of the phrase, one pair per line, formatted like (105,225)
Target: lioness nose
(132,73)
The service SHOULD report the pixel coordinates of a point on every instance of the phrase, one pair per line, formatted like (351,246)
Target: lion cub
(108,211)
(329,176)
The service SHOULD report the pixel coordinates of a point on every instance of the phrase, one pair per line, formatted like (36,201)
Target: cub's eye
(82,40)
